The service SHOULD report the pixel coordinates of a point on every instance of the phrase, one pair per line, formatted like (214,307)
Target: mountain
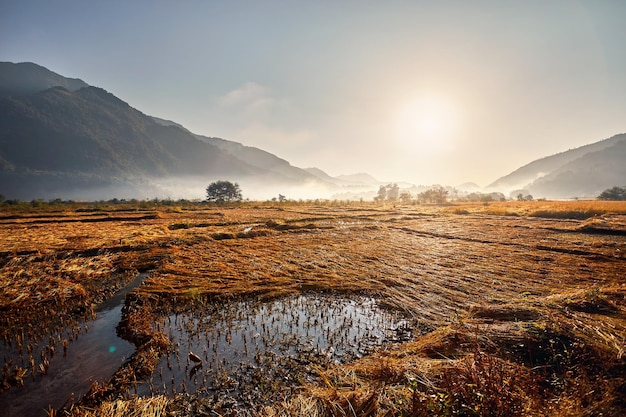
(361,178)
(250,155)
(28,78)
(581,172)
(351,180)
(320,174)
(78,141)
(470,187)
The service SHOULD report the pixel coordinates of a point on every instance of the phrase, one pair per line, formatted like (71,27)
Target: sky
(425,92)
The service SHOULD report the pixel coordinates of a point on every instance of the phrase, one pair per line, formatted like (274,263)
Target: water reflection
(81,354)
(244,348)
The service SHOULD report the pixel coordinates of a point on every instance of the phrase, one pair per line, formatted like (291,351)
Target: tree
(382,193)
(438,195)
(615,193)
(389,192)
(223,192)
(393,192)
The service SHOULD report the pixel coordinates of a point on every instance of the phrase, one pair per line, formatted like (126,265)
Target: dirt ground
(517,307)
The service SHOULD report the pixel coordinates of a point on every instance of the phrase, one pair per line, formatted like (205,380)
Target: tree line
(223,191)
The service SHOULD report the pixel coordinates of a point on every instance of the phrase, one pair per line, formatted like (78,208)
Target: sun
(427,124)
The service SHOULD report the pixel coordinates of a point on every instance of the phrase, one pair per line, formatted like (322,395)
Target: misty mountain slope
(56,140)
(28,78)
(255,157)
(359,178)
(525,175)
(351,180)
(320,174)
(586,176)
(582,172)
(92,131)
(260,158)
(72,140)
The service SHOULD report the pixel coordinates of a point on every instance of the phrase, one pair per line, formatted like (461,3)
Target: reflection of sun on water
(426,125)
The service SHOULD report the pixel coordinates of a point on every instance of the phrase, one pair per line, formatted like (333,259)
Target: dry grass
(136,407)
(518,306)
(580,210)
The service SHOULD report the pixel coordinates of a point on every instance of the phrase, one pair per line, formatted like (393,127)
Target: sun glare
(427,124)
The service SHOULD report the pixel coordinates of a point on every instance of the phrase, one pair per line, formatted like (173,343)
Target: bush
(615,193)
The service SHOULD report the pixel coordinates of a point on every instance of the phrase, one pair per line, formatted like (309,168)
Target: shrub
(615,193)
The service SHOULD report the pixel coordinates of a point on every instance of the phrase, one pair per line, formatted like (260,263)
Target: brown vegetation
(519,308)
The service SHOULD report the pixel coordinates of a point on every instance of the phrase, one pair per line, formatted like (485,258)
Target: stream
(94,356)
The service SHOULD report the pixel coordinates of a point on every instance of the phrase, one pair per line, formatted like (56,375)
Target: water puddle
(249,350)
(91,352)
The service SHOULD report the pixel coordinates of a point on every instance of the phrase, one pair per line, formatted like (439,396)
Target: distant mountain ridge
(581,172)
(73,140)
(28,78)
(250,155)
(62,138)
(89,138)
(355,180)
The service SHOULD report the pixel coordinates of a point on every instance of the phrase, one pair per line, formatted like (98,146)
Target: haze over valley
(156,101)
(62,138)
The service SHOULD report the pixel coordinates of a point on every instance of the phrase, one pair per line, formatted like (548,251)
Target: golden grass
(581,209)
(528,296)
(136,407)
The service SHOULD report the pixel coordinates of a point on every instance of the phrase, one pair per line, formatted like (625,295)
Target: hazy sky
(422,91)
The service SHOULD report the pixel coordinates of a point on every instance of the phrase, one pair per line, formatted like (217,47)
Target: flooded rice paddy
(251,351)
(246,351)
(62,365)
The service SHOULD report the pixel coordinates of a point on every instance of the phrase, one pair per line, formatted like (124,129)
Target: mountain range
(581,172)
(62,138)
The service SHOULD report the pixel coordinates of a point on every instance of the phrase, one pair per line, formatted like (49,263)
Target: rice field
(330,309)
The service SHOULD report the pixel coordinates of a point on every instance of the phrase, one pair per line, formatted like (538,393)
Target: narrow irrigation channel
(95,354)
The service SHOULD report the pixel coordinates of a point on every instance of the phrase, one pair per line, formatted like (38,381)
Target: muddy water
(247,349)
(95,354)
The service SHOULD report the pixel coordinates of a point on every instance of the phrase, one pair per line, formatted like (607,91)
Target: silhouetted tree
(615,193)
(223,192)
